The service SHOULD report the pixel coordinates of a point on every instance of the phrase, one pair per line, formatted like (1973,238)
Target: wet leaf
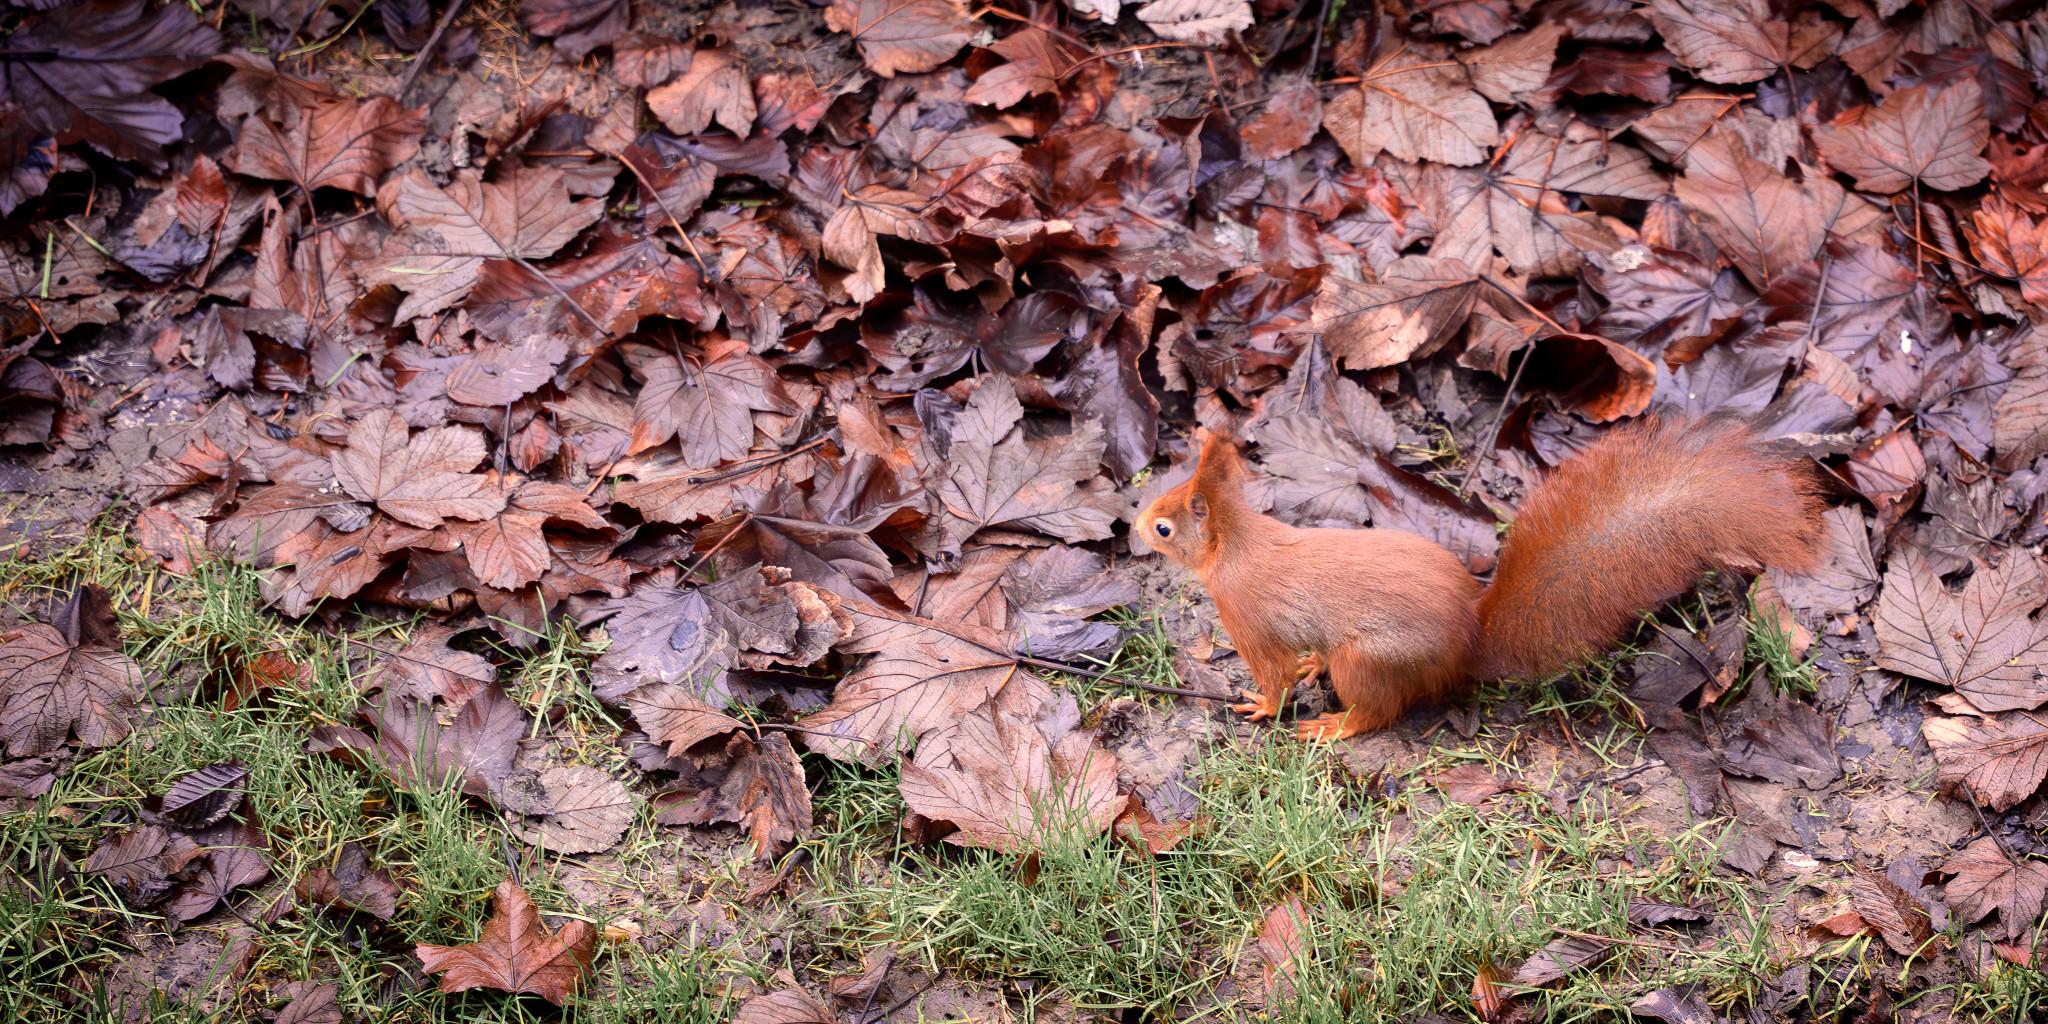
(418,480)
(591,811)
(903,35)
(1897,915)
(1988,878)
(349,882)
(714,87)
(1998,760)
(1920,134)
(1562,956)
(1982,641)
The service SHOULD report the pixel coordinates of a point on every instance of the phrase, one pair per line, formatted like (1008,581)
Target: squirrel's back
(1630,523)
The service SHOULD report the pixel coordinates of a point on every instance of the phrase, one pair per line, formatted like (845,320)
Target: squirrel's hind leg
(1371,701)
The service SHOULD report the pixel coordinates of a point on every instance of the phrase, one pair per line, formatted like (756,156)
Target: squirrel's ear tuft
(1220,461)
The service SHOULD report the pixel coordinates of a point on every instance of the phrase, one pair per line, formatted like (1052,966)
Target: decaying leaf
(1984,641)
(1988,878)
(68,677)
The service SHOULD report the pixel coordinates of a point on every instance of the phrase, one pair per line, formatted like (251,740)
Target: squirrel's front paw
(1257,707)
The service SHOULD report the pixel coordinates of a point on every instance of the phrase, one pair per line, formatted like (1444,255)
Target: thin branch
(426,53)
(745,466)
(1121,681)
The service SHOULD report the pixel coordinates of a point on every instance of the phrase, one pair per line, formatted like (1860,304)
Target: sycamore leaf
(1012,781)
(448,233)
(417,480)
(591,811)
(714,88)
(903,35)
(994,475)
(922,675)
(1420,303)
(329,141)
(1414,107)
(1983,641)
(1764,222)
(1999,761)
(2012,245)
(709,404)
(1935,137)
(2019,427)
(1988,877)
(423,746)
(1733,41)
(516,952)
(68,676)
(1516,64)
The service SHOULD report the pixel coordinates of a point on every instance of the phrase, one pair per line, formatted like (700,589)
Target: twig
(1820,295)
(702,267)
(426,53)
(566,297)
(742,468)
(1315,49)
(1609,780)
(1119,680)
(1507,399)
(706,556)
(330,225)
(928,986)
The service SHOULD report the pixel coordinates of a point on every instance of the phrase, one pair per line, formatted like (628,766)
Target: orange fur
(1397,620)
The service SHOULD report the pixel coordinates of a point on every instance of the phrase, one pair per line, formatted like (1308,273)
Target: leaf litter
(819,407)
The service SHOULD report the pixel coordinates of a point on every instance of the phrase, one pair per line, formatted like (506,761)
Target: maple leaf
(1999,761)
(508,550)
(1897,914)
(1988,878)
(1660,296)
(516,952)
(903,35)
(1197,22)
(328,141)
(1292,115)
(1036,62)
(2019,429)
(789,1005)
(1014,774)
(67,676)
(1731,41)
(418,480)
(448,233)
(994,475)
(2011,245)
(1982,642)
(1935,137)
(1763,221)
(83,72)
(1419,304)
(709,404)
(715,87)
(1414,107)
(760,786)
(617,284)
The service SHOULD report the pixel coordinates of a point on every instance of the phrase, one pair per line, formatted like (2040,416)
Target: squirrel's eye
(1165,529)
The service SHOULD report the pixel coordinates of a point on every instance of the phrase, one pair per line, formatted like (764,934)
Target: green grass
(1408,896)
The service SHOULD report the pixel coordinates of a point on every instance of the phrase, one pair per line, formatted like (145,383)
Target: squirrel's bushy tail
(1630,523)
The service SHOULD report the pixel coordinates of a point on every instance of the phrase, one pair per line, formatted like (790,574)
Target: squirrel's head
(1181,524)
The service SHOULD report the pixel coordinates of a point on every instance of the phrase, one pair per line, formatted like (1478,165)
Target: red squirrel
(1626,525)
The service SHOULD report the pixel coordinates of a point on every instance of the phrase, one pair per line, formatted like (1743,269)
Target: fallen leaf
(202,798)
(903,35)
(418,480)
(1731,41)
(426,668)
(2011,245)
(141,861)
(1564,955)
(516,953)
(1895,913)
(328,141)
(476,748)
(1009,777)
(318,1004)
(239,858)
(1988,878)
(446,234)
(1281,948)
(715,87)
(1920,134)
(1419,304)
(784,1006)
(68,676)
(95,68)
(1650,913)
(994,475)
(1982,642)
(1414,107)
(1197,22)
(1468,783)
(349,882)
(591,811)
(709,404)
(578,26)
(1999,760)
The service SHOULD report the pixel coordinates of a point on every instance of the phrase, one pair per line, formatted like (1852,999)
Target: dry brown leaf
(1896,914)
(1733,41)
(1983,641)
(1763,221)
(1999,760)
(448,233)
(419,480)
(715,87)
(903,35)
(923,674)
(1919,134)
(328,141)
(1281,948)
(1416,108)
(2012,245)
(1420,303)
(591,811)
(995,476)
(68,676)
(1012,774)
(516,952)
(349,882)
(709,405)
(1988,878)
